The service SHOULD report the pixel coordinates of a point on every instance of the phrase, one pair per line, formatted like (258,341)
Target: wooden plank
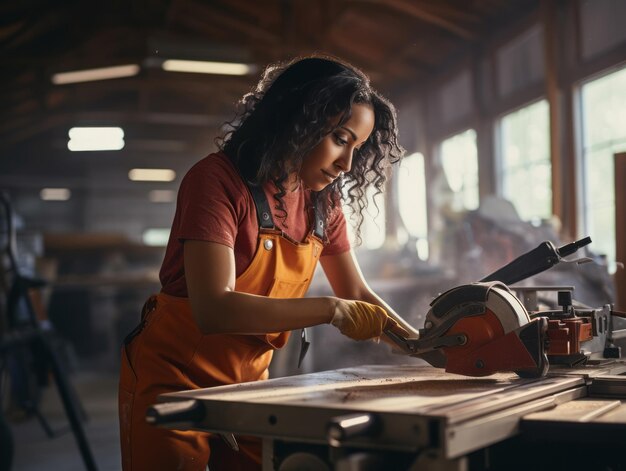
(615,416)
(404,389)
(584,410)
(383,388)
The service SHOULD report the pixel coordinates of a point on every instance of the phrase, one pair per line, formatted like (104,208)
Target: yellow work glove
(360,320)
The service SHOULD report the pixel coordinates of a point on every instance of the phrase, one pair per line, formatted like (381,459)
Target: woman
(251,223)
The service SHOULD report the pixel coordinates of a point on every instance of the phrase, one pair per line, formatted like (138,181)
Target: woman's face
(333,155)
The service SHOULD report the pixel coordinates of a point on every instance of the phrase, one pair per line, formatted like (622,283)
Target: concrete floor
(34,450)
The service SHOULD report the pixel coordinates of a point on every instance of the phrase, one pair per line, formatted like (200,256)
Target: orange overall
(171,354)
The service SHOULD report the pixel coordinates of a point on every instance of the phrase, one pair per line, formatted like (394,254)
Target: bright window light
(411,181)
(603,103)
(152,175)
(95,138)
(156,237)
(90,75)
(162,196)
(55,194)
(459,159)
(412,195)
(525,166)
(206,67)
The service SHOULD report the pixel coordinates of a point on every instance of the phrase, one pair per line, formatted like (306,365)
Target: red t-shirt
(215,205)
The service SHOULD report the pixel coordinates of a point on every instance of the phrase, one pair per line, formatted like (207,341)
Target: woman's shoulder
(216,169)
(217,162)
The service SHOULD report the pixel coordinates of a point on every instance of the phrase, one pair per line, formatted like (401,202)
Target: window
(460,165)
(412,201)
(525,169)
(604,134)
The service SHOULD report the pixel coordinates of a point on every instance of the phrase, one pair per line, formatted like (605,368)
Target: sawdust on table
(427,387)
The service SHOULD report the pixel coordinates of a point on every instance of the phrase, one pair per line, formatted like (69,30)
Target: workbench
(417,417)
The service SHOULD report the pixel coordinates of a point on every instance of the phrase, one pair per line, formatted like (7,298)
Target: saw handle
(545,256)
(572,247)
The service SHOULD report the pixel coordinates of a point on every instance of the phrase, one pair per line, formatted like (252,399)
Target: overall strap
(318,228)
(263,212)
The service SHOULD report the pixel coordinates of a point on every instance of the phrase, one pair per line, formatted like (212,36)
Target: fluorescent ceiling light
(152,175)
(90,75)
(206,67)
(97,138)
(162,196)
(55,194)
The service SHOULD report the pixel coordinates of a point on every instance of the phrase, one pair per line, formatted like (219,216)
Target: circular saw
(479,329)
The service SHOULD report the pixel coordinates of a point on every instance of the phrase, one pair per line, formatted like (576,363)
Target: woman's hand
(360,320)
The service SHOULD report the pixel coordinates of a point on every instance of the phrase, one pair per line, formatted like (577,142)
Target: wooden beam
(446,9)
(332,12)
(620,230)
(421,12)
(556,114)
(484,126)
(197,14)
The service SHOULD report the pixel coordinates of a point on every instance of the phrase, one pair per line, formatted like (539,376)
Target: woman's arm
(347,281)
(218,308)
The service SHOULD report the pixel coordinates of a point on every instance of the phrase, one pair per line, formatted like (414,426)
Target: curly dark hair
(292,108)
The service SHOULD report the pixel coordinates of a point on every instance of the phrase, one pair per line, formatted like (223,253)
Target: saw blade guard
(480,329)
(474,300)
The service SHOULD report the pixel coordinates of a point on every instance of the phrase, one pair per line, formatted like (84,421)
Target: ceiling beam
(422,12)
(196,15)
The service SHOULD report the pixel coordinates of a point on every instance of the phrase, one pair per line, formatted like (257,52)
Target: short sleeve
(211,202)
